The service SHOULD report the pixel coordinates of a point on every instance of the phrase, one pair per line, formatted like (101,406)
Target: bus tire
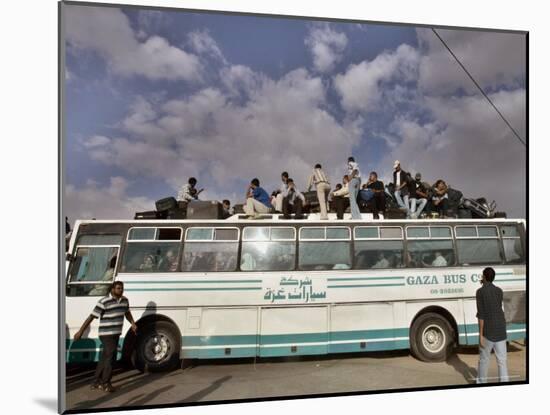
(157,347)
(432,338)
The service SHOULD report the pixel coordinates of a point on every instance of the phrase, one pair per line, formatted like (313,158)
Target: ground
(214,380)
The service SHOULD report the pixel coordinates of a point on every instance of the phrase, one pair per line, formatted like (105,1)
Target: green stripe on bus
(365,278)
(196,289)
(511,279)
(504,273)
(369,285)
(193,282)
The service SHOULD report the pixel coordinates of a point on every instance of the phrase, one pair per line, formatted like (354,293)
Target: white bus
(275,287)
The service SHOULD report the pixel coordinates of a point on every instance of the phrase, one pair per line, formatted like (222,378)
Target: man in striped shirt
(322,185)
(110,311)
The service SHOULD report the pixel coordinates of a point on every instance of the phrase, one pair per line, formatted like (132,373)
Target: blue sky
(153,97)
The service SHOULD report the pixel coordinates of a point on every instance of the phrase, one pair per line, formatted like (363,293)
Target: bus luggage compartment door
(287,331)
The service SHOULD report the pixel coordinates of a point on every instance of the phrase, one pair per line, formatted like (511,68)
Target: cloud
(468,145)
(326,46)
(203,44)
(363,85)
(107,31)
(493,59)
(113,202)
(282,125)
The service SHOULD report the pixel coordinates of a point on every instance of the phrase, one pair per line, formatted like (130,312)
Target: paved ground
(208,380)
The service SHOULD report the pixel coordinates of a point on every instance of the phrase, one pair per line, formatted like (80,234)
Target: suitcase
(211,209)
(150,214)
(311,198)
(394,213)
(177,213)
(238,209)
(166,204)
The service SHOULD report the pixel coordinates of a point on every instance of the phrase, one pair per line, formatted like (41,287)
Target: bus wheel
(432,338)
(157,347)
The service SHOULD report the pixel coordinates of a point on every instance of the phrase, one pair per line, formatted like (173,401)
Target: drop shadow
(468,373)
(48,403)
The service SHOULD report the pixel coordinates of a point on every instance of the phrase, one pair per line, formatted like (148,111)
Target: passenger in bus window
(147,264)
(439,260)
(248,263)
(382,261)
(169,263)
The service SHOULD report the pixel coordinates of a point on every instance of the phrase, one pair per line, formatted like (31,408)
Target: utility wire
(479,87)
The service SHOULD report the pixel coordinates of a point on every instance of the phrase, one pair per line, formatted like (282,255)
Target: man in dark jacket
(400,183)
(492,327)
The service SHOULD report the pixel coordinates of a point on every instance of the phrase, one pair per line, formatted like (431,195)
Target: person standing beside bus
(322,185)
(354,186)
(492,327)
(110,311)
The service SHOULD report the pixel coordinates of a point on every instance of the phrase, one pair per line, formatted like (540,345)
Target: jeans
(402,202)
(366,194)
(354,186)
(104,370)
(414,202)
(485,357)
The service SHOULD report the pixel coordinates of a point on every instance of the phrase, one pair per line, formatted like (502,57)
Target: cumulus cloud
(281,126)
(204,44)
(363,85)
(107,31)
(112,202)
(326,46)
(493,59)
(468,145)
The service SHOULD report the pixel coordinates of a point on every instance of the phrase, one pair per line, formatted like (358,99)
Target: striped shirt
(110,312)
(318,176)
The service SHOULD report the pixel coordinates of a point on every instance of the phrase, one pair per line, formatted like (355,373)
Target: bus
(233,288)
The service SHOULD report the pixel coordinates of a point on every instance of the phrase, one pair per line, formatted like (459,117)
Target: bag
(211,209)
(478,210)
(150,214)
(166,204)
(455,198)
(395,213)
(176,213)
(464,214)
(311,198)
(238,209)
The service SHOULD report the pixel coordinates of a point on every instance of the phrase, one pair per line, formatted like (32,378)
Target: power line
(479,87)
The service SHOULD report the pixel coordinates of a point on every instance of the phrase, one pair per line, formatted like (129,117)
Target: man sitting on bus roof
(341,198)
(293,200)
(188,193)
(257,200)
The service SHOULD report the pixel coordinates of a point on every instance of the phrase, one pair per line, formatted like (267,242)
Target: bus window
(211,249)
(378,254)
(93,267)
(268,249)
(477,245)
(325,248)
(513,250)
(152,250)
(431,253)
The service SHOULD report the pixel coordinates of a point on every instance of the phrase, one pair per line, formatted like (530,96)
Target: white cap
(396,163)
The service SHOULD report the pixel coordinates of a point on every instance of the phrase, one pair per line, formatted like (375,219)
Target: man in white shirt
(282,189)
(382,261)
(320,180)
(188,192)
(439,260)
(293,201)
(354,186)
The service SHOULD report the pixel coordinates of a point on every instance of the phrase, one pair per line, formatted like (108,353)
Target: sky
(154,97)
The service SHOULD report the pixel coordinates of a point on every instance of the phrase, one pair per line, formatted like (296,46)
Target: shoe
(95,386)
(107,387)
